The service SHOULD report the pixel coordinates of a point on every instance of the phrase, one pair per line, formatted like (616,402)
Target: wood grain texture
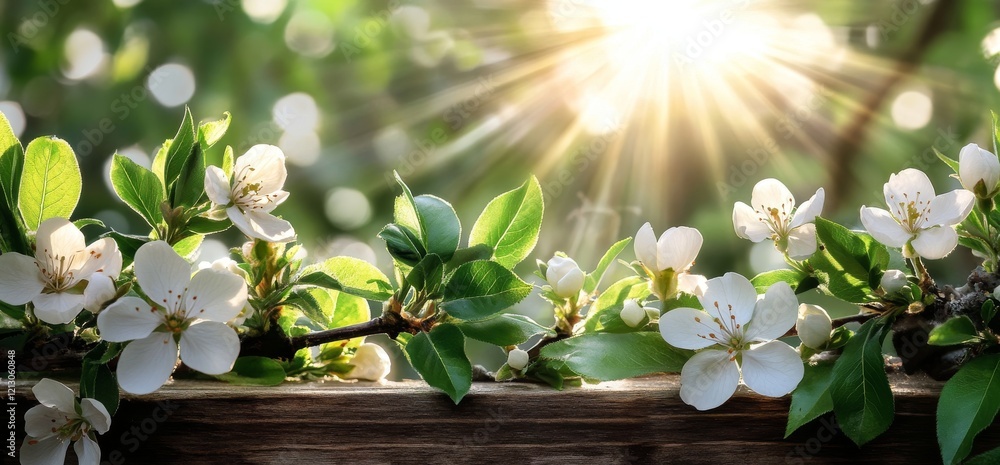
(628,422)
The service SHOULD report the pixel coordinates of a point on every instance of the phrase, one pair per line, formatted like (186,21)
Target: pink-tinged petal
(730,297)
(128,319)
(950,208)
(51,393)
(96,414)
(20,280)
(883,227)
(645,247)
(936,242)
(263,165)
(48,451)
(100,257)
(774,314)
(809,210)
(100,289)
(709,379)
(772,369)
(748,225)
(802,241)
(217,186)
(678,247)
(58,236)
(210,347)
(693,284)
(41,420)
(687,328)
(215,295)
(146,364)
(87,451)
(58,308)
(909,185)
(162,274)
(770,194)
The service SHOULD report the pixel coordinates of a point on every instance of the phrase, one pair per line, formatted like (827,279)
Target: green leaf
(210,132)
(503,330)
(431,219)
(189,189)
(862,398)
(350,275)
(969,402)
(953,164)
(609,357)
(254,371)
(139,188)
(84,222)
(510,223)
(811,398)
(11,163)
(96,379)
(846,262)
(402,244)
(127,244)
(986,458)
(794,278)
(958,330)
(594,278)
(228,160)
(988,311)
(179,150)
(188,246)
(479,289)
(202,225)
(51,182)
(609,304)
(427,275)
(439,357)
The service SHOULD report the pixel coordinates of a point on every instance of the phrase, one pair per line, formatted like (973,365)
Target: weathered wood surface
(630,422)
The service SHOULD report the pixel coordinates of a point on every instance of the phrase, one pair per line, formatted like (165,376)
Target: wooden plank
(627,422)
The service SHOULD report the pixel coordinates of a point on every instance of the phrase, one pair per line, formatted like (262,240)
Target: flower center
(57,270)
(776,218)
(911,213)
(724,330)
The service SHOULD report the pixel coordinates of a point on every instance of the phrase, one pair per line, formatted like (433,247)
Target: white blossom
(773,215)
(977,165)
(565,276)
(253,193)
(64,277)
(371,363)
(59,420)
(892,281)
(813,326)
(668,260)
(633,314)
(517,359)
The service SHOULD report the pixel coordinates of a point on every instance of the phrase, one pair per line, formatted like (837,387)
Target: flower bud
(517,359)
(565,276)
(813,325)
(371,363)
(996,293)
(893,281)
(632,314)
(979,171)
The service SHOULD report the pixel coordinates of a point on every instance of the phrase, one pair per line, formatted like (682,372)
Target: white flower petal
(162,274)
(100,257)
(813,326)
(147,363)
(261,225)
(128,319)
(87,451)
(40,420)
(975,164)
(906,186)
(691,283)
(687,328)
(96,414)
(58,236)
(748,225)
(678,247)
(372,363)
(20,280)
(802,241)
(645,247)
(217,186)
(210,347)
(58,308)
(709,379)
(729,297)
(883,227)
(771,194)
(51,393)
(936,242)
(774,314)
(950,208)
(215,295)
(632,313)
(100,289)
(48,451)
(809,210)
(262,164)
(571,284)
(772,369)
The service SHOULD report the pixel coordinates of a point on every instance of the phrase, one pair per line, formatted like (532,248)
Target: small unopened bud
(632,314)
(996,293)
(371,363)
(813,325)
(893,281)
(517,359)
(565,276)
